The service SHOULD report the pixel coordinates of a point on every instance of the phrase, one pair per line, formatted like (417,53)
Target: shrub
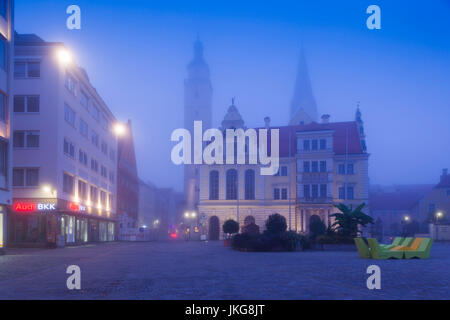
(276,224)
(244,241)
(334,239)
(230,226)
(251,228)
(316,226)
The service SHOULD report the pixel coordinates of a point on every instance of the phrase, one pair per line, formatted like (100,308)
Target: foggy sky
(136,53)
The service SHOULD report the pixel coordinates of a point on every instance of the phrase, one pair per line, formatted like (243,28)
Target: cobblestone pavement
(207,270)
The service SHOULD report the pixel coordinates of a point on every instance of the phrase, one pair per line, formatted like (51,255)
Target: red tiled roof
(339,136)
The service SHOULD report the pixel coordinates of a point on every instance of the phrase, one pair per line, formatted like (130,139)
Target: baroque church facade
(322,163)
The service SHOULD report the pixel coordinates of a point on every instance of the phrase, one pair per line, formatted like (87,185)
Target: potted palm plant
(229,227)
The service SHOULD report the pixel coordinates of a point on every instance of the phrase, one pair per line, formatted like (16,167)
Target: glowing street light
(119,129)
(406,218)
(193,214)
(64,57)
(439,215)
(46,189)
(186,214)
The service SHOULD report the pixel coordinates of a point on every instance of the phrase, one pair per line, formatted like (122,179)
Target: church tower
(303,104)
(197,107)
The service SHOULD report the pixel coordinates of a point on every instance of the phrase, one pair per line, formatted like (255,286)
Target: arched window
(214,185)
(249,184)
(231,184)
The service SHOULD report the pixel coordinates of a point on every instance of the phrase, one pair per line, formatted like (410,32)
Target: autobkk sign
(30,206)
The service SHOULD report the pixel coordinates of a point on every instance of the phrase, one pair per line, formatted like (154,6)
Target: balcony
(318,200)
(314,177)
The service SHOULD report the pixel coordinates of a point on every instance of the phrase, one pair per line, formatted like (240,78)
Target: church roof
(339,137)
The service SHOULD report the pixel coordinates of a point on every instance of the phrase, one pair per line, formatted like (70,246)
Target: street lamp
(406,218)
(119,129)
(64,57)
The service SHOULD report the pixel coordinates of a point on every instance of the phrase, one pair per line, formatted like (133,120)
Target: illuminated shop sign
(76,207)
(34,206)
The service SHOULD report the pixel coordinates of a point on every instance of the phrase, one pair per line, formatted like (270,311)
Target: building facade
(6,82)
(64,150)
(127,185)
(321,165)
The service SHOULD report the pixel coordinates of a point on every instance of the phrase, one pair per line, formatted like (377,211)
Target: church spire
(303,104)
(198,68)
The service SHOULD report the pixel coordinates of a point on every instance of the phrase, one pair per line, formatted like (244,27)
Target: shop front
(56,222)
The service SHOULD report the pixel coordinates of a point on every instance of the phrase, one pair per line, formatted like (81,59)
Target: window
(111,201)
(284,194)
(323,144)
(26,104)
(341,193)
(305,144)
(306,166)
(314,166)
(69,148)
(94,194)
(82,190)
(3,51)
(26,139)
(315,191)
(84,100)
(103,171)
(70,83)
(214,185)
(323,166)
(231,184)
(104,147)
(95,113)
(27,69)
(3,107)
(112,154)
(34,69)
(350,168)
(350,193)
(69,115)
(105,123)
(84,128)
(323,190)
(431,208)
(3,8)
(314,145)
(341,169)
(94,165)
(284,171)
(68,183)
(249,184)
(82,157)
(306,191)
(276,194)
(20,69)
(103,198)
(111,177)
(94,138)
(25,177)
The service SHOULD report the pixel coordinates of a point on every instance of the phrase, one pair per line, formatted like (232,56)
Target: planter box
(338,247)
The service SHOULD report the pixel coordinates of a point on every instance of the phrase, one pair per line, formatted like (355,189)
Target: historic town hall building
(321,164)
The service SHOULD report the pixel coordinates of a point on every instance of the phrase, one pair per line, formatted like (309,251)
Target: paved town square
(207,270)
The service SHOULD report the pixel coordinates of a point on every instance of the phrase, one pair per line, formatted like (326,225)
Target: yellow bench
(412,247)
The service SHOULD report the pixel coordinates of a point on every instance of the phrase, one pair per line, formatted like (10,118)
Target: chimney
(267,122)
(325,118)
(444,173)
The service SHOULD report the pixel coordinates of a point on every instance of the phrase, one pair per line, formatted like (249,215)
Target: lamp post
(438,216)
(189,216)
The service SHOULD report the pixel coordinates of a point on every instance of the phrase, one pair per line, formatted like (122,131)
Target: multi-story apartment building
(6,52)
(64,150)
